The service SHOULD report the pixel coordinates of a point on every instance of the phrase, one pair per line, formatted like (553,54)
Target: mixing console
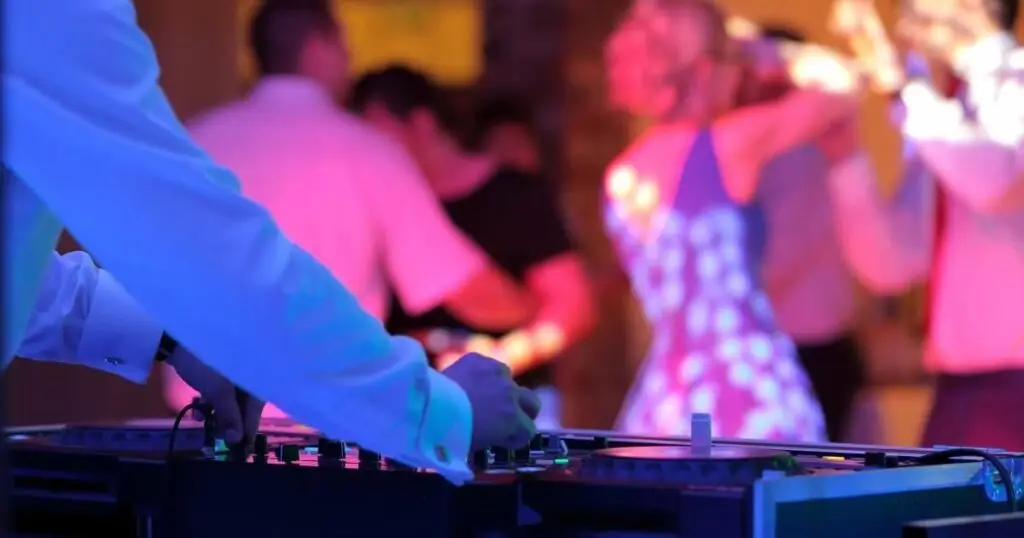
(120,480)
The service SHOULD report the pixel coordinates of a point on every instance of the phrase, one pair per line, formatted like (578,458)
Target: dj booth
(122,480)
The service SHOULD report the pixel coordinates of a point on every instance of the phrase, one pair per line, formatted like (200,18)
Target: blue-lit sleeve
(83,316)
(90,132)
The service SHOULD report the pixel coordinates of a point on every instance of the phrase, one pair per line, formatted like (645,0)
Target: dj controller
(123,481)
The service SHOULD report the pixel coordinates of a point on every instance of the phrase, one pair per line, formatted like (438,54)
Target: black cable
(196,405)
(206,412)
(948,456)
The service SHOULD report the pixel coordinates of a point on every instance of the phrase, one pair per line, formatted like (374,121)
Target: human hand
(503,412)
(858,22)
(217,391)
(812,66)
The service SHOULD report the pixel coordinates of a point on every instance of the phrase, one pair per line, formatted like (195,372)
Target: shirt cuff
(118,337)
(447,428)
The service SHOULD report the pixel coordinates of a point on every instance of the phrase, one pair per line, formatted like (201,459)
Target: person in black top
(511,215)
(504,130)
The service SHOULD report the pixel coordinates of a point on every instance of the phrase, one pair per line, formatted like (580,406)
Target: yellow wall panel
(442,37)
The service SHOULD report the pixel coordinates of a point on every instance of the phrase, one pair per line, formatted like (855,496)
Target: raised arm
(90,133)
(430,262)
(83,316)
(887,243)
(826,89)
(976,151)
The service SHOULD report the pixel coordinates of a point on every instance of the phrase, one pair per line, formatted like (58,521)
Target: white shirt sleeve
(83,316)
(89,131)
(975,151)
(427,257)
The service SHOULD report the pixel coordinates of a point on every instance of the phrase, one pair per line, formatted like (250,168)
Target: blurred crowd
(743,218)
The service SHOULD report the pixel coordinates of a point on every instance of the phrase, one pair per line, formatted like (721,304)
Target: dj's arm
(978,158)
(83,316)
(91,134)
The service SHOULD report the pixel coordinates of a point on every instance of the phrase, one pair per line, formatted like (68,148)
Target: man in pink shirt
(350,196)
(957,219)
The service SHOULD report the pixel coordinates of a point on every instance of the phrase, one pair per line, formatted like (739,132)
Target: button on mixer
(521,456)
(503,456)
(259,448)
(330,449)
(368,459)
(481,459)
(288,453)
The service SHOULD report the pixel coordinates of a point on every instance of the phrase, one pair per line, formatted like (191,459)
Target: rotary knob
(503,456)
(521,455)
(288,453)
(368,459)
(259,445)
(481,459)
(329,449)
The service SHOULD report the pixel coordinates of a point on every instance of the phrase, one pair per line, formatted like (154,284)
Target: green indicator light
(561,461)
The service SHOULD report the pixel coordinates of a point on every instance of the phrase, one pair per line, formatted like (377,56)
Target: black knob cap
(503,456)
(481,459)
(259,445)
(537,443)
(521,456)
(288,453)
(368,458)
(330,449)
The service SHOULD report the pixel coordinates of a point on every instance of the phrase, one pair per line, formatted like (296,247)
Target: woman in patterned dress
(677,209)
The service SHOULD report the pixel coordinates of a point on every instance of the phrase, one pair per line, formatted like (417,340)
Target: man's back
(309,164)
(348,195)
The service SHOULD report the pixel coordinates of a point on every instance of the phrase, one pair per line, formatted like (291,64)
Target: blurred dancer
(506,132)
(805,275)
(958,216)
(351,196)
(512,216)
(674,209)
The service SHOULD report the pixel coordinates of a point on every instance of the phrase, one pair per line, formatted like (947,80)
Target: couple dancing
(678,204)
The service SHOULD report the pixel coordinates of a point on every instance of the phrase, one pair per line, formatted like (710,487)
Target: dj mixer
(121,480)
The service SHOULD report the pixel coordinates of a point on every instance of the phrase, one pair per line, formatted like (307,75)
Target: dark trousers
(836,372)
(978,410)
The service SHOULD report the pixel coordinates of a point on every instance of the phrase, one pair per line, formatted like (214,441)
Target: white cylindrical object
(700,431)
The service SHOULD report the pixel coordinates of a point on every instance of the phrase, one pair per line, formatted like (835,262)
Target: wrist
(167,349)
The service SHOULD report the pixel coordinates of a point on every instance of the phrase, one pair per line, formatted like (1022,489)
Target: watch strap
(168,345)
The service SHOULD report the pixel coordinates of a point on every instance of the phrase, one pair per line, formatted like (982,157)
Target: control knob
(329,449)
(368,459)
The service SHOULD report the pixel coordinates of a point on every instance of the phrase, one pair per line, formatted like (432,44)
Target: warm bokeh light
(621,182)
(646,197)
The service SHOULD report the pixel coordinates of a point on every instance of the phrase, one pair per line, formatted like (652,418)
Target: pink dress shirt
(975,148)
(344,192)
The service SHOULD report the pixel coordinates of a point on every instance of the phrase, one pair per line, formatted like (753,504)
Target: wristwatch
(168,345)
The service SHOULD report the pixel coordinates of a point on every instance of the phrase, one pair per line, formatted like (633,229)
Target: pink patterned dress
(715,345)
